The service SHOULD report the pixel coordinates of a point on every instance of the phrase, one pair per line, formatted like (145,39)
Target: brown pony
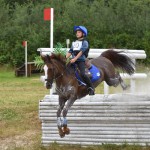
(67,86)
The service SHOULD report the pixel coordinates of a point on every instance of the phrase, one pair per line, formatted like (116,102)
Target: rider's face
(79,34)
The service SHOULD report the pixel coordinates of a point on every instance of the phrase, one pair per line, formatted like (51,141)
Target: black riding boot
(91,88)
(81,67)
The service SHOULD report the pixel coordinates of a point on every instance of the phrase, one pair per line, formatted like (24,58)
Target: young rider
(77,51)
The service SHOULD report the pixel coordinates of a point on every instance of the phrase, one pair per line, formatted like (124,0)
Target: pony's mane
(62,59)
(58,57)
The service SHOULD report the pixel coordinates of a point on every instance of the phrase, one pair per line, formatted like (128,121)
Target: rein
(54,75)
(58,76)
(55,78)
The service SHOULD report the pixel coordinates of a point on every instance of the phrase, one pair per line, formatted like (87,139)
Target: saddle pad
(94,72)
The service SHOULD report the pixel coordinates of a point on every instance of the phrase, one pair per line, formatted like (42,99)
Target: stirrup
(91,91)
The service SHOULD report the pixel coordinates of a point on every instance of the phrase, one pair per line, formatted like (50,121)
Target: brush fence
(115,119)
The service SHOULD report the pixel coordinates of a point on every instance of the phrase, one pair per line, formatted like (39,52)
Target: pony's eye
(50,69)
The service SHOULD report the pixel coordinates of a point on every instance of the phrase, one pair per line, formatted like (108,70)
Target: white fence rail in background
(95,120)
(133,54)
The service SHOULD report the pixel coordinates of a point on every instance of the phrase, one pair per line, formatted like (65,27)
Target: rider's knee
(83,75)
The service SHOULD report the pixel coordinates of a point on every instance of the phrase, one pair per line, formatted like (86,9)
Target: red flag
(24,43)
(47,14)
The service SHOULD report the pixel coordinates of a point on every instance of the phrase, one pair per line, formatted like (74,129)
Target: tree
(110,23)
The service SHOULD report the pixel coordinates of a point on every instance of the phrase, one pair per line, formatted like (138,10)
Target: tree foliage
(111,23)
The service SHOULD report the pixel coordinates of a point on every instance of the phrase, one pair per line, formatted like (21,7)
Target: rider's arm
(75,58)
(85,46)
(68,55)
(79,55)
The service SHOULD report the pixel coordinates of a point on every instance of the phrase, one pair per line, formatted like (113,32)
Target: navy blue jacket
(78,46)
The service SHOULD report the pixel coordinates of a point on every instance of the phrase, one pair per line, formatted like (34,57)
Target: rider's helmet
(81,28)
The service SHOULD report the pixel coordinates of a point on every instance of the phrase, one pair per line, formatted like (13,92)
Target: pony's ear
(62,58)
(43,58)
(46,58)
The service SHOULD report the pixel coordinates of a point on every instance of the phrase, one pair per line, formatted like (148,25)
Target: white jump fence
(93,120)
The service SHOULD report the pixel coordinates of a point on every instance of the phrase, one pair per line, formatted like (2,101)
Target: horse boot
(59,125)
(66,130)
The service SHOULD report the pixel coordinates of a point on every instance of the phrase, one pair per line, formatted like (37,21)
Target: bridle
(54,75)
(50,81)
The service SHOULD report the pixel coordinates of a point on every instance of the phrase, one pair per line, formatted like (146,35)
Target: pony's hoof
(126,87)
(62,134)
(66,130)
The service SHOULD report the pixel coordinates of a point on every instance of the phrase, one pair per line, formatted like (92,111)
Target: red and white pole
(51,28)
(26,60)
(49,15)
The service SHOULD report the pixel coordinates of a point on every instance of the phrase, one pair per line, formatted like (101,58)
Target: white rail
(135,54)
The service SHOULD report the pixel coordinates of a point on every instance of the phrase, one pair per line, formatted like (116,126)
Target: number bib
(77,45)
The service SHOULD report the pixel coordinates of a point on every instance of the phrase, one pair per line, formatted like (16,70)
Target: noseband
(50,81)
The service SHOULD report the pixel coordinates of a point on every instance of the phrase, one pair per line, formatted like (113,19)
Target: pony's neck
(67,81)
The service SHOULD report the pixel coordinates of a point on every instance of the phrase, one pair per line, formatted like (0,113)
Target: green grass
(19,99)
(20,127)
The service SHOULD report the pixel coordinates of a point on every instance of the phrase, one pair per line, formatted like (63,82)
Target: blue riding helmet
(81,28)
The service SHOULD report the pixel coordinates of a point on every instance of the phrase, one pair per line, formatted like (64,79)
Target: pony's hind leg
(122,83)
(112,81)
(116,81)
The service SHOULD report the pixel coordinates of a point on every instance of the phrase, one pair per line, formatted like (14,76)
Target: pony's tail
(119,60)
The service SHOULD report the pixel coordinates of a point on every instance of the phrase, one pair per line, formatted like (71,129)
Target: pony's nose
(48,85)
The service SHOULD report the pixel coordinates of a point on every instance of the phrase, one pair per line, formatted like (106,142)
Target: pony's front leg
(70,102)
(59,120)
(66,130)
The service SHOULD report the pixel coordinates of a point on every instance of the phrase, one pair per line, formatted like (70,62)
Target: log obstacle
(31,69)
(111,119)
(93,120)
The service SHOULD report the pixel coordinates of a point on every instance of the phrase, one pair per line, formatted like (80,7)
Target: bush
(119,24)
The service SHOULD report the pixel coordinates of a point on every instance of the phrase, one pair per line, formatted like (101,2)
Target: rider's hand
(73,60)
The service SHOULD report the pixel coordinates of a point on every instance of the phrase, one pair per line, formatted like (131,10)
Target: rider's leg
(81,67)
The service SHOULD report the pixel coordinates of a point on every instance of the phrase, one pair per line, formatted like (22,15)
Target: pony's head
(55,66)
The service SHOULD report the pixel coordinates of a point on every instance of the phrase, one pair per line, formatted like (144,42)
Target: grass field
(20,128)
